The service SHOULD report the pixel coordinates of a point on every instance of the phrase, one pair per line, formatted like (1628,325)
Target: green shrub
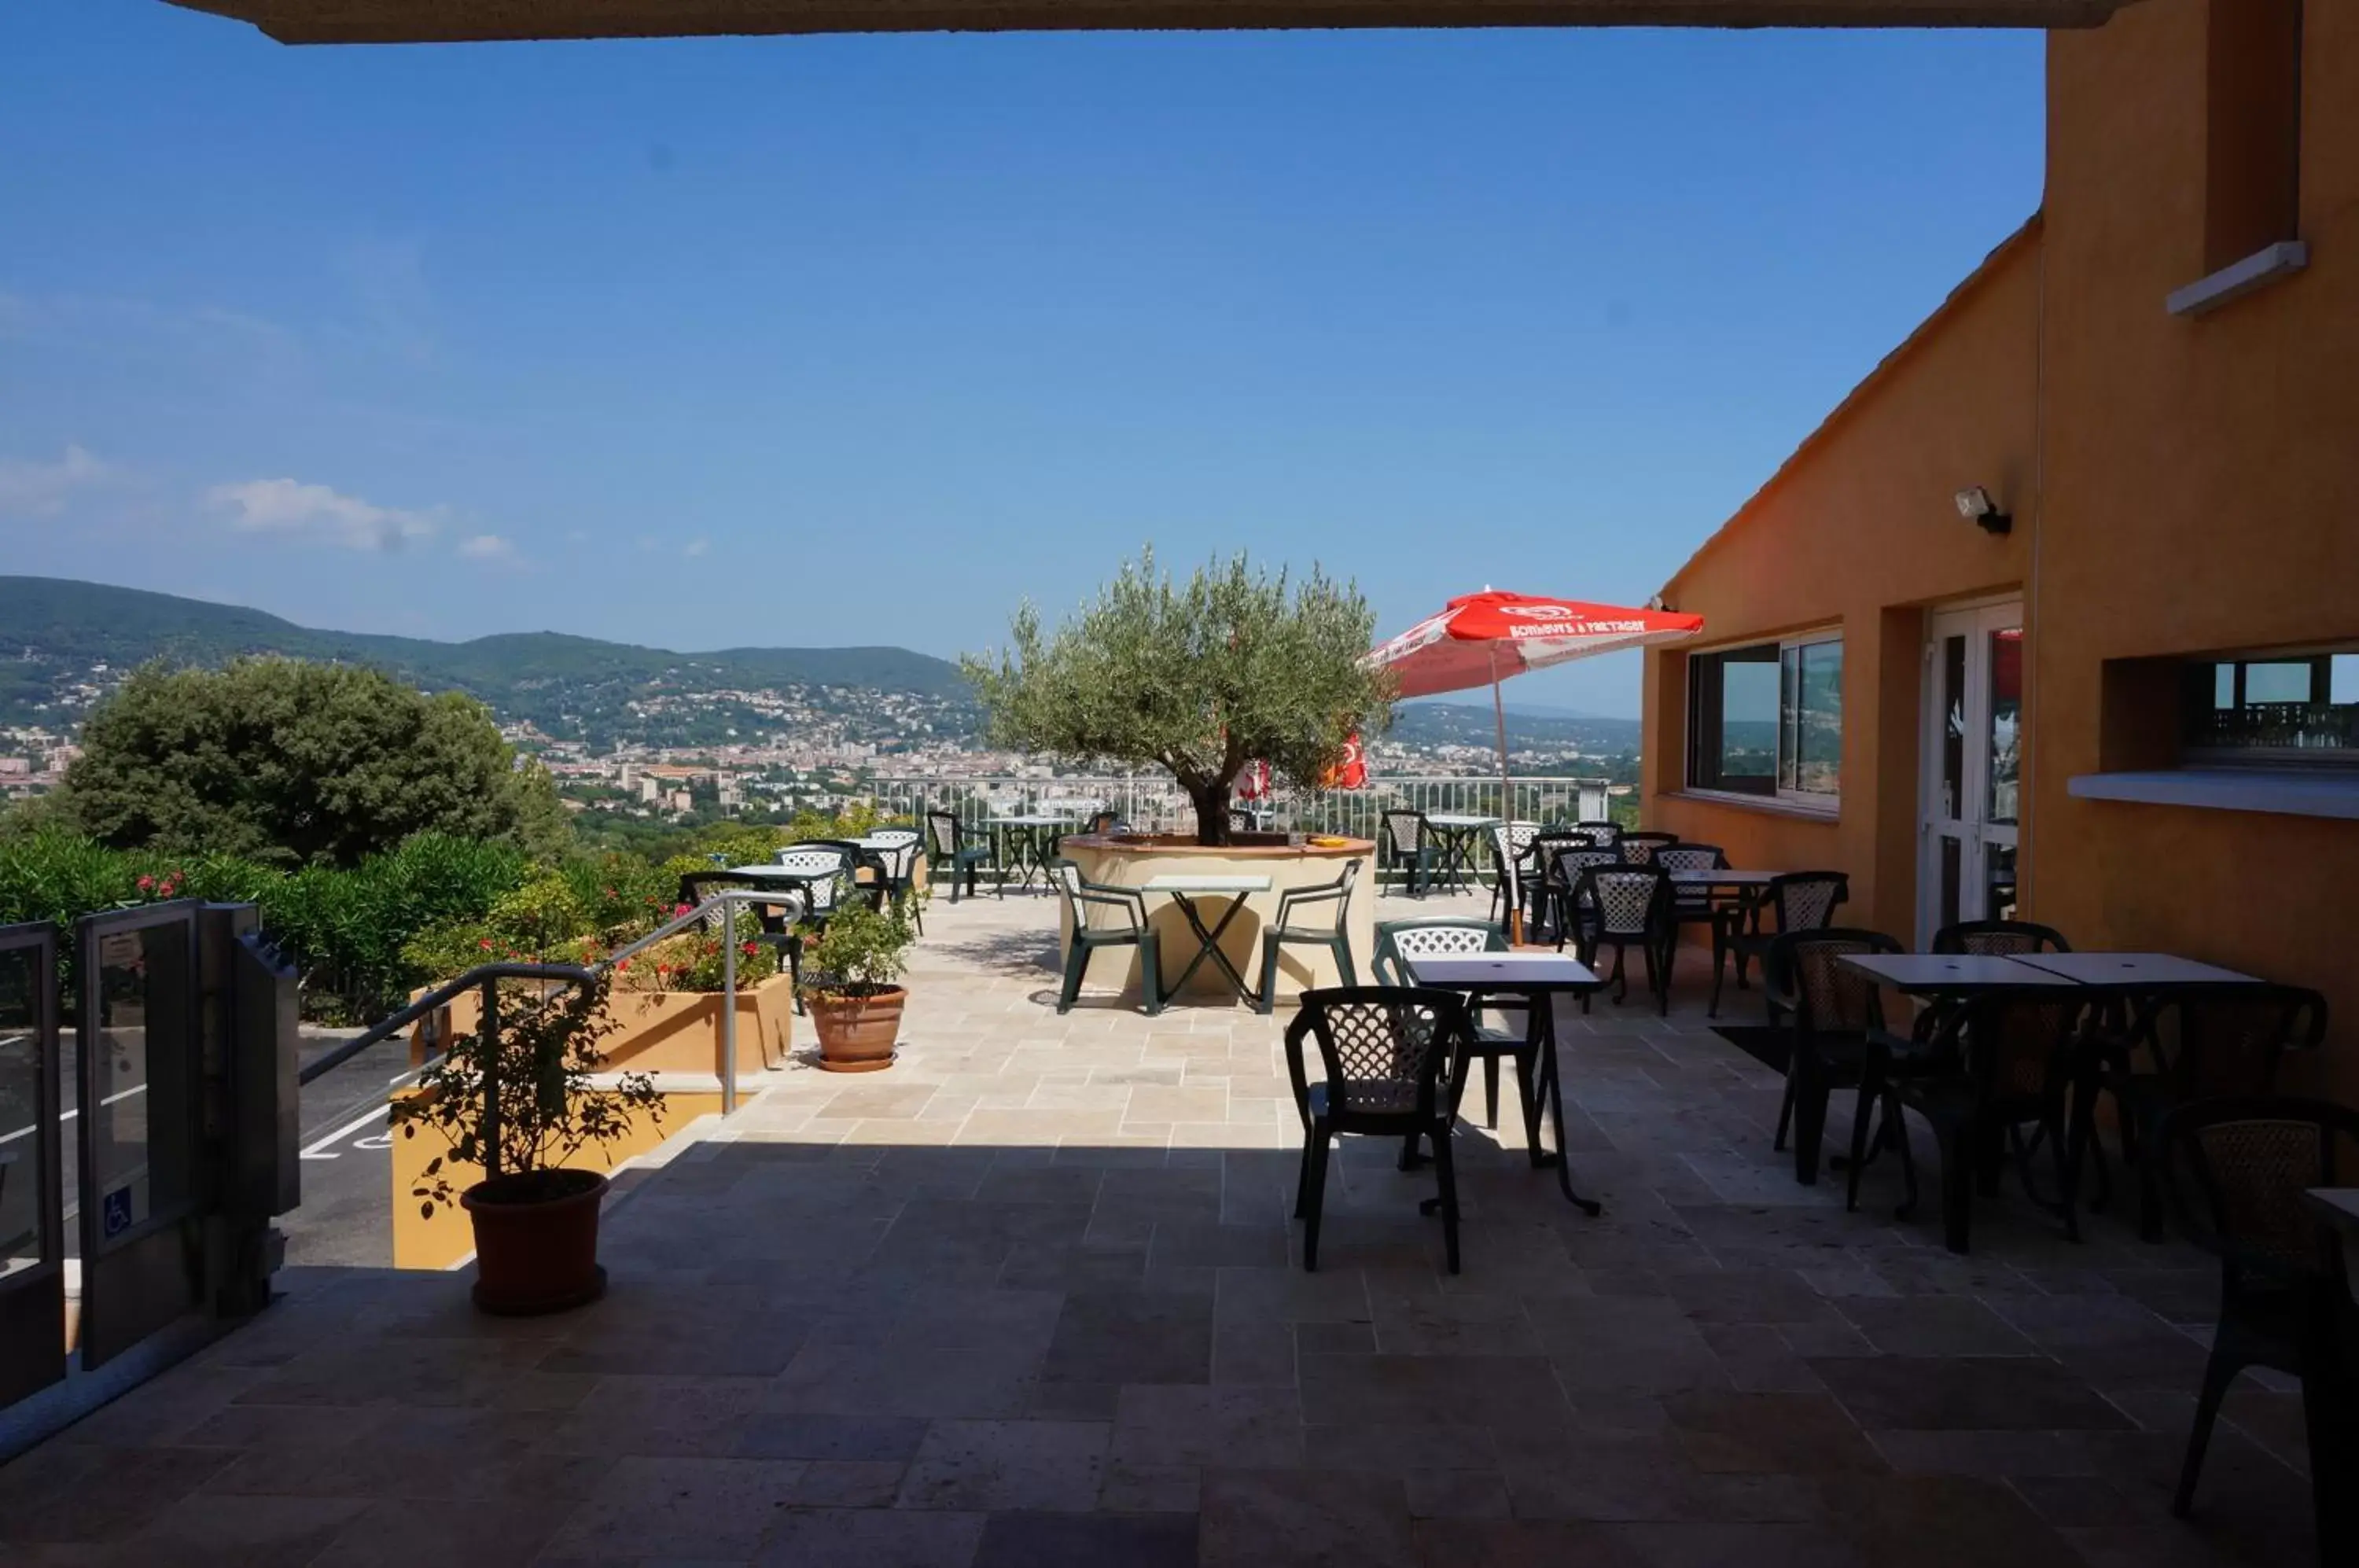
(862,951)
(619,892)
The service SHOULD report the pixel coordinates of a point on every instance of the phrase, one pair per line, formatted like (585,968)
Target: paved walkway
(1028,1300)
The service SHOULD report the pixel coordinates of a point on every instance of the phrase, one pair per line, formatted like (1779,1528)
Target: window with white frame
(1766,719)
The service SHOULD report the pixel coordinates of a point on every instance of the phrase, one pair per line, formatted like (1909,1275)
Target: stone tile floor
(1030,1298)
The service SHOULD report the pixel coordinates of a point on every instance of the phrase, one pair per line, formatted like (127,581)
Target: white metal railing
(1153,802)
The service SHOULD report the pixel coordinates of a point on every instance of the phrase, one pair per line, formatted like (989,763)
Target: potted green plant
(535,1217)
(849,975)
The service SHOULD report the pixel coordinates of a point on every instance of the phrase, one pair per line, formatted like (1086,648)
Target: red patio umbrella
(1482,638)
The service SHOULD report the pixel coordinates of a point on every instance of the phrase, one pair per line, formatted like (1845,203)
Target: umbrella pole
(1507,811)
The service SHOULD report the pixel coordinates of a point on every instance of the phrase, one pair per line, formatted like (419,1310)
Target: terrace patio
(1033,1297)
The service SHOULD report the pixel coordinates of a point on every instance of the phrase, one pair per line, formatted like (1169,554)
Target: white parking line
(69,1116)
(345,1131)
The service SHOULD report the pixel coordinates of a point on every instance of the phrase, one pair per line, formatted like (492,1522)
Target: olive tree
(296,764)
(1199,678)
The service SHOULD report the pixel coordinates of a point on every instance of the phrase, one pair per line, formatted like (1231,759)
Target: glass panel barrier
(138,1120)
(22,1097)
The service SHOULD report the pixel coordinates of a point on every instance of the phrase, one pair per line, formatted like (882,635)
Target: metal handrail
(488,975)
(441,996)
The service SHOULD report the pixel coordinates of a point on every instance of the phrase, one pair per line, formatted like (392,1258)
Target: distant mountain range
(54,631)
(56,635)
(1535,728)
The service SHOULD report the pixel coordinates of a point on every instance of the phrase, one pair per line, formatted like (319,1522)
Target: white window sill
(2288,791)
(1768,805)
(2234,281)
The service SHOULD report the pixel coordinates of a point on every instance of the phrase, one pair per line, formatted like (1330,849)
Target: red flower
(682,909)
(749,949)
(622,966)
(485,944)
(610,892)
(663,968)
(147,884)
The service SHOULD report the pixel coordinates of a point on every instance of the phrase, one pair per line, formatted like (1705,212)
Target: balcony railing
(1152,803)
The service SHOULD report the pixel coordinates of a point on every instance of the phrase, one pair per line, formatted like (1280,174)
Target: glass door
(1973,767)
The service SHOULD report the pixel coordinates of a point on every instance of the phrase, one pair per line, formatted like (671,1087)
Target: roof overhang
(437,21)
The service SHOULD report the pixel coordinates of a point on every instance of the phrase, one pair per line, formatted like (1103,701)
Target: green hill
(55,632)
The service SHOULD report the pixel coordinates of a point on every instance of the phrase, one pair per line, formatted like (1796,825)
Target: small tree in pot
(849,975)
(1200,680)
(536,1221)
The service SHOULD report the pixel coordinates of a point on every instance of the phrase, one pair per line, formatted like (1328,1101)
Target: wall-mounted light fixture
(1975,504)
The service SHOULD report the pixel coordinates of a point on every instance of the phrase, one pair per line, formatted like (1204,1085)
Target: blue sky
(830,341)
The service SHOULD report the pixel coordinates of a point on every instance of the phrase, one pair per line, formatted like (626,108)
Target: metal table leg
(1541,1024)
(1458,856)
(1209,945)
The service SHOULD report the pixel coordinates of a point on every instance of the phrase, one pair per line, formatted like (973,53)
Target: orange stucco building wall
(1857,531)
(2202,478)
(2182,486)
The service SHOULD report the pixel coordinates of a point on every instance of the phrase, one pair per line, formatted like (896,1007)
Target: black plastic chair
(897,849)
(857,858)
(2000,939)
(1511,852)
(1604,834)
(2203,1042)
(1803,900)
(1835,1019)
(1400,943)
(829,869)
(1408,841)
(953,857)
(1561,873)
(1540,854)
(2236,1171)
(2007,1060)
(1382,1050)
(777,916)
(1694,906)
(1638,848)
(1625,907)
(1101,915)
(1332,902)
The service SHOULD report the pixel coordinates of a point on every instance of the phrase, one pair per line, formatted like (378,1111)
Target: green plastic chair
(1409,843)
(954,858)
(1334,935)
(1122,923)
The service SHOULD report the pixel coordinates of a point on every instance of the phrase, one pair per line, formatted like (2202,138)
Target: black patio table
(1460,833)
(2138,972)
(2115,981)
(799,880)
(1026,839)
(1948,976)
(1540,978)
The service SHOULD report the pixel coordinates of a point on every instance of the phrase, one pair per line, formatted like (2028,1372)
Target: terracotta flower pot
(856,1033)
(536,1241)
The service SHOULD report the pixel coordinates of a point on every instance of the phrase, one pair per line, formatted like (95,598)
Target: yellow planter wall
(671,1031)
(440,1239)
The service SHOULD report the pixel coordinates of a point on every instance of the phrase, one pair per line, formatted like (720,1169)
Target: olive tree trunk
(1212,803)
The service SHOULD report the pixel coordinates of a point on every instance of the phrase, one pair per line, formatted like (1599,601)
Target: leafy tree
(294,764)
(1236,665)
